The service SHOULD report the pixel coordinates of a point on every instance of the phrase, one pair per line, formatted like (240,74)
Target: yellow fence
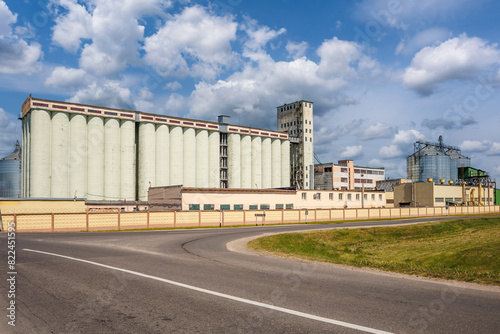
(95,221)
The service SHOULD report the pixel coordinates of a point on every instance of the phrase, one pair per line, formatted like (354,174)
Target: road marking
(222,295)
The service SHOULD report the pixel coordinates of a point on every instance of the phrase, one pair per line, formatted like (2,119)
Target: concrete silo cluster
(73,150)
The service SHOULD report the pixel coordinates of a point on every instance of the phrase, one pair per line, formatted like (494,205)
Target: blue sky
(381,73)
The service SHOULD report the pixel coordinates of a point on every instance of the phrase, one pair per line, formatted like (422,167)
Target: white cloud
(297,50)
(71,28)
(66,77)
(401,144)
(421,39)
(378,130)
(108,94)
(407,136)
(475,145)
(176,103)
(16,55)
(145,94)
(459,58)
(352,152)
(11,130)
(391,151)
(494,149)
(174,85)
(193,36)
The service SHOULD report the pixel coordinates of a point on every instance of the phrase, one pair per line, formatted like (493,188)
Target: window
(289,206)
(365,197)
(264,206)
(208,206)
(379,197)
(458,199)
(225,207)
(279,206)
(373,197)
(330,196)
(357,197)
(306,167)
(253,206)
(349,196)
(304,196)
(343,179)
(238,207)
(306,138)
(317,196)
(343,170)
(307,184)
(448,199)
(340,196)
(194,207)
(439,199)
(306,176)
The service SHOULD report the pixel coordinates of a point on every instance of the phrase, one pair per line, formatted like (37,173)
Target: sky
(381,73)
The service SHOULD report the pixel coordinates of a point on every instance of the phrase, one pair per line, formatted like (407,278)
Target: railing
(117,220)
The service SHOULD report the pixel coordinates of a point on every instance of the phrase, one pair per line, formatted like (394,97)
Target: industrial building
(345,175)
(75,150)
(435,161)
(183,198)
(10,167)
(297,120)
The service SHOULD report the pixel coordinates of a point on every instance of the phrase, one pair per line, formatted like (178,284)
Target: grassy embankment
(466,249)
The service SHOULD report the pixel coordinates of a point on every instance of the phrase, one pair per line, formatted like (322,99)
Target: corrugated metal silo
(10,174)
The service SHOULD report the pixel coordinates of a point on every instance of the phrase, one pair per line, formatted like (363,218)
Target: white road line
(223,295)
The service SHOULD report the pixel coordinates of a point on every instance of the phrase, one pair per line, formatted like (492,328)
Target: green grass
(466,249)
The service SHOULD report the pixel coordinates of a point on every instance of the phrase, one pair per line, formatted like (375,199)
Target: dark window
(225,207)
(208,206)
(238,207)
(194,207)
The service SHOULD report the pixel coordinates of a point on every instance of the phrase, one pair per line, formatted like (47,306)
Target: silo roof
(455,155)
(16,155)
(427,150)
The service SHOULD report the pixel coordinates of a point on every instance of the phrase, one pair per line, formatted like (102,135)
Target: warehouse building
(74,150)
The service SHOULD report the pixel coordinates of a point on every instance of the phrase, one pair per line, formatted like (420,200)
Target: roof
(16,155)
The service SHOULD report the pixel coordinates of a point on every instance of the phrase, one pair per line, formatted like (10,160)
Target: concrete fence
(116,220)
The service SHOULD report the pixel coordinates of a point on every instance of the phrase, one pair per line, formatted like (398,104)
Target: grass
(465,249)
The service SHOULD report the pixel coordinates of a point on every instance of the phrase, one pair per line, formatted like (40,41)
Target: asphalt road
(187,281)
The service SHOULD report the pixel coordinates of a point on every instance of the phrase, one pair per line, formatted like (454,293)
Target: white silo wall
(285,163)
(266,163)
(256,162)
(146,159)
(213,159)
(23,158)
(112,168)
(162,155)
(275,163)
(40,166)
(60,155)
(78,156)
(95,158)
(246,162)
(127,160)
(189,157)
(28,155)
(202,158)
(233,161)
(176,156)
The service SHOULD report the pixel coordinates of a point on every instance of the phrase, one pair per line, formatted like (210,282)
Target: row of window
(363,181)
(458,199)
(207,207)
(317,196)
(368,171)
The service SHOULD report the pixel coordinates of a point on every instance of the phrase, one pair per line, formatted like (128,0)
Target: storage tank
(202,153)
(433,164)
(456,161)
(60,155)
(40,164)
(245,162)
(266,163)
(162,155)
(233,160)
(176,158)
(146,159)
(285,163)
(127,160)
(275,163)
(78,156)
(112,169)
(213,159)
(23,183)
(10,174)
(189,157)
(95,158)
(256,162)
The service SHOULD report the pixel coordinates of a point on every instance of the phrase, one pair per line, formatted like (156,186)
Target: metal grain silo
(246,162)
(202,157)
(233,161)
(127,160)
(285,163)
(266,163)
(162,155)
(433,164)
(40,163)
(213,159)
(189,157)
(146,159)
(456,161)
(176,158)
(78,156)
(275,163)
(59,155)
(10,174)
(256,162)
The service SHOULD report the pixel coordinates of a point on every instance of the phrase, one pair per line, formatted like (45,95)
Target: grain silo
(10,174)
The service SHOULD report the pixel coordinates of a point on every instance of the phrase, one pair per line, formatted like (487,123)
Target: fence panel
(34,223)
(322,215)
(103,221)
(291,216)
(133,220)
(187,218)
(374,213)
(337,214)
(210,218)
(70,222)
(351,214)
(161,219)
(362,213)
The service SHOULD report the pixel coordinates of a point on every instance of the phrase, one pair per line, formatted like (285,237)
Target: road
(187,281)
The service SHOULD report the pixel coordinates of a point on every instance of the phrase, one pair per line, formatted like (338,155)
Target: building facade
(296,119)
(74,150)
(345,175)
